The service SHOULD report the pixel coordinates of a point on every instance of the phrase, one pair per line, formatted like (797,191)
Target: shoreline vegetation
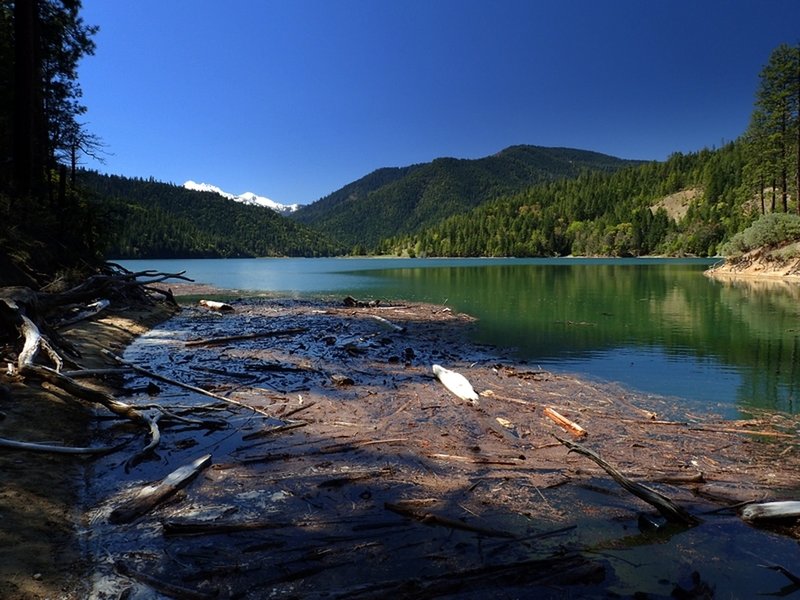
(372,418)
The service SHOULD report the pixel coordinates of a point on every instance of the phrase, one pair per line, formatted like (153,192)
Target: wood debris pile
(307,450)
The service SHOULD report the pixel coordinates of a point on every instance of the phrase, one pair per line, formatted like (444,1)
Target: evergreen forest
(150,219)
(625,213)
(388,202)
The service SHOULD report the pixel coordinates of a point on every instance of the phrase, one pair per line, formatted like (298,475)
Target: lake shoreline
(362,424)
(42,555)
(758,264)
(376,392)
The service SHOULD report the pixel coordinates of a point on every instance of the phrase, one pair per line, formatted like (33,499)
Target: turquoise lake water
(654,325)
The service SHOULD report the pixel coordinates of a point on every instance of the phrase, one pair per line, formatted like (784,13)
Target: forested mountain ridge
(608,214)
(395,201)
(523,201)
(149,219)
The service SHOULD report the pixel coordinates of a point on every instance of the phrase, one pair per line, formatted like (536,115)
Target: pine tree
(774,132)
(48,39)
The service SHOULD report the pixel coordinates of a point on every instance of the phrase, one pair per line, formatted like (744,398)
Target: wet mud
(357,474)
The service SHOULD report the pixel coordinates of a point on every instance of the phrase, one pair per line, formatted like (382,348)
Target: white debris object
(456,383)
(771,510)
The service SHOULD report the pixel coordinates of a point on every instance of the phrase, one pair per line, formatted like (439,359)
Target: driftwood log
(669,510)
(783,509)
(565,423)
(151,496)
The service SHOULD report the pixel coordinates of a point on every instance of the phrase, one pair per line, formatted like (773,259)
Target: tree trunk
(774,185)
(25,81)
(797,131)
(784,160)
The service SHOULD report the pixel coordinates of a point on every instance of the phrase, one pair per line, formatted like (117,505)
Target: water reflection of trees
(567,310)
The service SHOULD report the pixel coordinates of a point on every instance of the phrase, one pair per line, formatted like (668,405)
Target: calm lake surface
(654,325)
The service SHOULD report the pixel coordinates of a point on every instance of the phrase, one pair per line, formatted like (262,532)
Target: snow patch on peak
(246,198)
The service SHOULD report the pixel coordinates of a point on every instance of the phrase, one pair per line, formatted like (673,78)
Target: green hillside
(147,219)
(608,214)
(523,201)
(389,202)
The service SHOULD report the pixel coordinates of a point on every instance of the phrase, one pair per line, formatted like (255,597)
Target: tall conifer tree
(774,133)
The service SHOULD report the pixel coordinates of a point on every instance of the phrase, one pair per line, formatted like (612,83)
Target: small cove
(656,326)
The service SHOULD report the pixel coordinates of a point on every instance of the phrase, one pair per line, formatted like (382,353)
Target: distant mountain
(246,198)
(396,201)
(148,219)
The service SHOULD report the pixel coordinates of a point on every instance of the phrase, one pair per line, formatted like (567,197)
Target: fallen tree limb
(476,460)
(671,511)
(387,323)
(491,394)
(565,423)
(37,447)
(784,509)
(90,311)
(86,393)
(192,388)
(155,439)
(278,429)
(218,306)
(151,495)
(434,519)
(178,527)
(246,336)
(298,409)
(33,341)
(81,373)
(330,449)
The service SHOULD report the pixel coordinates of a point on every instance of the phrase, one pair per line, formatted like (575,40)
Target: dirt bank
(761,263)
(40,494)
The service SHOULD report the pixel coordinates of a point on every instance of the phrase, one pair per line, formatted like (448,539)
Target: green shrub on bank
(772,229)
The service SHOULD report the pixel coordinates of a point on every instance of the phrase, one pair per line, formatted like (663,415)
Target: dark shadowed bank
(357,474)
(41,495)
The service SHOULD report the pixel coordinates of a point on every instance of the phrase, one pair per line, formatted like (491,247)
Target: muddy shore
(370,479)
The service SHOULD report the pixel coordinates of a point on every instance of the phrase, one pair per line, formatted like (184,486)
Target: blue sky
(292,99)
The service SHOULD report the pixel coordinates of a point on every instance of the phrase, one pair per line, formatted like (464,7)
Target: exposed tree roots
(29,316)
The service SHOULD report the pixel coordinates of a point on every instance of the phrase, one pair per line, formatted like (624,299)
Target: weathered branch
(245,336)
(434,519)
(565,423)
(186,386)
(51,448)
(151,495)
(784,509)
(671,511)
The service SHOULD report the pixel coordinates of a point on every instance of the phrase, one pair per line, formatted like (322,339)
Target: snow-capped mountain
(246,198)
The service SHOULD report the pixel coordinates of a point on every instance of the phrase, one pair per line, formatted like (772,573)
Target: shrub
(770,230)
